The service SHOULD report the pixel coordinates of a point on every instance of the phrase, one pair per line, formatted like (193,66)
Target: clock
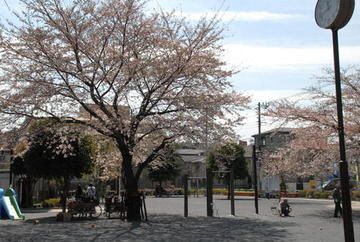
(333,14)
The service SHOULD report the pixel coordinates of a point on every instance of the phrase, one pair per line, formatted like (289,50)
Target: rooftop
(277,130)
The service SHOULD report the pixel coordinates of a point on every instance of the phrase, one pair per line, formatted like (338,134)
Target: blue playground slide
(9,208)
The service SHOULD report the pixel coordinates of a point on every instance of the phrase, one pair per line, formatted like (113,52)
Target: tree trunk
(130,182)
(132,200)
(27,193)
(132,195)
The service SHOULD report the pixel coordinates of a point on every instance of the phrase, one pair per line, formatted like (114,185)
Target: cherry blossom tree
(314,146)
(143,78)
(308,153)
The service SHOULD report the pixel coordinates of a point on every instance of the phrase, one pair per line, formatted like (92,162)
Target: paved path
(311,221)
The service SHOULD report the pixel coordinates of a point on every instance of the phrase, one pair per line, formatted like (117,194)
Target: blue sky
(275,43)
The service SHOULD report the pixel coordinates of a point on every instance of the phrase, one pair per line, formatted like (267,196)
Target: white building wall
(270,183)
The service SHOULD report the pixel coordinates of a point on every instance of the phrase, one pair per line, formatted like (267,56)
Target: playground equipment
(9,208)
(209,192)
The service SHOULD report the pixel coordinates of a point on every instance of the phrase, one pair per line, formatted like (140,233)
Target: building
(194,162)
(271,141)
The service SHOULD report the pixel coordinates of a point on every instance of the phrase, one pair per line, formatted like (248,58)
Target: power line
(7,5)
(279,99)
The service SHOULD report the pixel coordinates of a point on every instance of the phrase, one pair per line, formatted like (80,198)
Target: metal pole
(209,193)
(232,197)
(255,180)
(186,178)
(344,173)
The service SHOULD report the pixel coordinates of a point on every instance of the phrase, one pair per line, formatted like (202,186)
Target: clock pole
(335,14)
(344,172)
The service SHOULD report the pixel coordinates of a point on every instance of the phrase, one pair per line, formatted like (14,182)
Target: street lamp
(335,14)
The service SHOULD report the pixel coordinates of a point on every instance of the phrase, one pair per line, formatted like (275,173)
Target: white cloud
(262,58)
(250,126)
(252,16)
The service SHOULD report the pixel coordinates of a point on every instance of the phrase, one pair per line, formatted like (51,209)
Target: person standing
(79,193)
(91,192)
(337,200)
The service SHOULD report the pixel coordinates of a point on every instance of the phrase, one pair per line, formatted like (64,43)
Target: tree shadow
(159,228)
(177,228)
(327,214)
(36,210)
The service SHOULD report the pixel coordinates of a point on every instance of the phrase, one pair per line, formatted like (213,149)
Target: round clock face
(326,12)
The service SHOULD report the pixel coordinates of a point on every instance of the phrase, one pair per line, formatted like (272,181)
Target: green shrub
(200,191)
(219,191)
(302,193)
(51,203)
(309,194)
(325,195)
(319,194)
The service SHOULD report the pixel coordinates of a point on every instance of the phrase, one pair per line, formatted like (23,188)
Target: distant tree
(58,153)
(28,180)
(211,161)
(166,167)
(229,157)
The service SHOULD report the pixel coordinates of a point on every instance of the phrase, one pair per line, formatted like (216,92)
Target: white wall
(270,183)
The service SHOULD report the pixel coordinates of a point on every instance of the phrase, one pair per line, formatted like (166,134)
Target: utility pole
(259,141)
(256,195)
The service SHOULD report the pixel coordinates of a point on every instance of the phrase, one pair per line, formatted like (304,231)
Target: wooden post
(186,178)
(232,195)
(144,204)
(209,193)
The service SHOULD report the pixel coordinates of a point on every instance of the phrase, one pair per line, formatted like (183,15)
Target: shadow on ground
(328,213)
(35,210)
(159,228)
